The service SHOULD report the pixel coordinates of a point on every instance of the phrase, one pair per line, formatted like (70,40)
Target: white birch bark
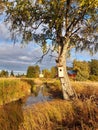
(67,89)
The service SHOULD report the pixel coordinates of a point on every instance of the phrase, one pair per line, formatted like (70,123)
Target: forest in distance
(80,71)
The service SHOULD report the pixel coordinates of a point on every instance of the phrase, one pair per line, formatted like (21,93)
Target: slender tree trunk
(67,89)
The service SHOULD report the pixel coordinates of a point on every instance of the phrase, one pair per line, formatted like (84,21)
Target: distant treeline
(5,73)
(83,71)
(34,72)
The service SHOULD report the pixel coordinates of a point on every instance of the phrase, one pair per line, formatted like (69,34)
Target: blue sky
(18,57)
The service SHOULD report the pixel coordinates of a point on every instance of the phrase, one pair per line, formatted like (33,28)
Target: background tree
(94,67)
(4,73)
(93,70)
(67,23)
(33,71)
(12,74)
(46,73)
(30,71)
(54,72)
(82,69)
(37,71)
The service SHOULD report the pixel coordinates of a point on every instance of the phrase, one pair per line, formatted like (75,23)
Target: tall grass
(54,115)
(80,114)
(12,89)
(86,90)
(11,116)
(61,115)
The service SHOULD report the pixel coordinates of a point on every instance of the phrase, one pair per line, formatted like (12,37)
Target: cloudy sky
(17,57)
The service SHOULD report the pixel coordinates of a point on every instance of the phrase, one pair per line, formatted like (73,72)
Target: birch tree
(66,23)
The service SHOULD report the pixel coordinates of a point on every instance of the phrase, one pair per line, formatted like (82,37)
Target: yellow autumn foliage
(91,3)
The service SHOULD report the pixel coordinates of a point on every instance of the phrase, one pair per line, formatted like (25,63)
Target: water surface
(30,100)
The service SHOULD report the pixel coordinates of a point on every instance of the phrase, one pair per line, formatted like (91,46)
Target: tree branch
(67,9)
(75,31)
(74,22)
(41,58)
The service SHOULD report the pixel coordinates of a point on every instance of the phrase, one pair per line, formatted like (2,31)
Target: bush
(93,78)
(82,69)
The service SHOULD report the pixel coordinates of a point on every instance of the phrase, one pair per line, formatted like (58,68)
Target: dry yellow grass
(86,89)
(54,115)
(61,115)
(57,114)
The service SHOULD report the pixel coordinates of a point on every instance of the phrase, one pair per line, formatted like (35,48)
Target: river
(30,100)
(11,114)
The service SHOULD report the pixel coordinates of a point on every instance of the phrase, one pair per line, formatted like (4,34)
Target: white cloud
(26,58)
(4,32)
(13,57)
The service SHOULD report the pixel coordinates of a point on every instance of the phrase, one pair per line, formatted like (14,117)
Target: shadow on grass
(11,116)
(54,90)
(34,88)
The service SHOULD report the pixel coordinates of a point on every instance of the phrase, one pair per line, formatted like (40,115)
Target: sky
(18,57)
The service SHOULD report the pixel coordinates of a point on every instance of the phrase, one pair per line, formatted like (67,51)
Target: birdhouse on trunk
(60,72)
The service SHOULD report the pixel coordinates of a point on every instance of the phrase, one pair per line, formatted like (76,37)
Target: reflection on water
(39,98)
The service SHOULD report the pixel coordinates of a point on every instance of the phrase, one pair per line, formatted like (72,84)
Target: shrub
(93,78)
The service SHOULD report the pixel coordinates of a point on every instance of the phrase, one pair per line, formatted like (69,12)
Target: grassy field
(13,89)
(86,90)
(58,114)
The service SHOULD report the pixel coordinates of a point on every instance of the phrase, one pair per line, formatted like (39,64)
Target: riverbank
(12,89)
(55,114)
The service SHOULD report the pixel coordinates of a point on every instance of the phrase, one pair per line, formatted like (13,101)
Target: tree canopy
(82,69)
(4,73)
(1,6)
(33,71)
(94,67)
(58,19)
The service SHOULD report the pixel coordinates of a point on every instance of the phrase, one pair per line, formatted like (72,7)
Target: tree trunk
(68,92)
